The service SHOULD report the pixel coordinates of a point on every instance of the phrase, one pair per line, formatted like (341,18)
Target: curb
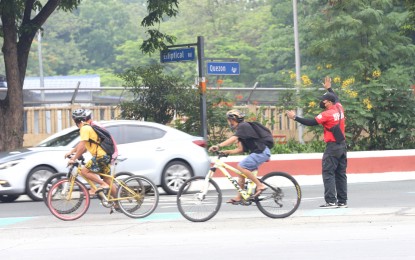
(366,162)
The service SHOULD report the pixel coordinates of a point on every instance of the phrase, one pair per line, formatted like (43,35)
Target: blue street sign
(187,54)
(222,68)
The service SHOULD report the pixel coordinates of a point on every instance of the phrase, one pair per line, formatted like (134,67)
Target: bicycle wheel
(196,206)
(138,197)
(123,175)
(66,202)
(282,196)
(48,184)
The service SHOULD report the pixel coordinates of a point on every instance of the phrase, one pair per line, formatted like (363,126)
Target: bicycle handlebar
(80,160)
(221,155)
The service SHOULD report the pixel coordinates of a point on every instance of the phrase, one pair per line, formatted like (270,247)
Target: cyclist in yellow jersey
(100,161)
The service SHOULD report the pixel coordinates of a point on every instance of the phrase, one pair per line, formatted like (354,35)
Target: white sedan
(165,155)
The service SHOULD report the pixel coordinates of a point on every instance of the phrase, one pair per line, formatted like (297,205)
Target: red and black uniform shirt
(330,118)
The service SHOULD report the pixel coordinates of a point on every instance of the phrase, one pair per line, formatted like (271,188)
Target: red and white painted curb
(367,166)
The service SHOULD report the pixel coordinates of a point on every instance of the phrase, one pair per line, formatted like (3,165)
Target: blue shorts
(254,160)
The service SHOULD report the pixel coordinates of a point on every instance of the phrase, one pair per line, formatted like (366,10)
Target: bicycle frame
(108,196)
(224,167)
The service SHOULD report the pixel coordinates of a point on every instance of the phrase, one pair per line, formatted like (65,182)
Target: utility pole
(297,68)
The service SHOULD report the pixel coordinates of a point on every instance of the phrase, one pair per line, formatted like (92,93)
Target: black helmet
(235,115)
(81,115)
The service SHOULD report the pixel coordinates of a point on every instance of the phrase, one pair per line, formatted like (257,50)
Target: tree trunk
(11,108)
(16,53)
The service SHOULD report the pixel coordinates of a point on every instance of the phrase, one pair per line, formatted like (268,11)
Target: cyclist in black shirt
(247,141)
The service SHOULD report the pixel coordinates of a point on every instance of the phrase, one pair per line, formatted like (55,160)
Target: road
(379,224)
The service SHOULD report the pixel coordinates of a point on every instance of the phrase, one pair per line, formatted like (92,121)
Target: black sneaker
(328,206)
(342,205)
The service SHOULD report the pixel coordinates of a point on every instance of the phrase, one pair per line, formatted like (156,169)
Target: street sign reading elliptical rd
(171,55)
(222,68)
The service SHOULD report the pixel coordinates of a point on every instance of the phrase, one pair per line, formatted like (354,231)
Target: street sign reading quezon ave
(222,68)
(171,55)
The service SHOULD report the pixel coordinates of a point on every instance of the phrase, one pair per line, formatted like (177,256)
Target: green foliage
(293,146)
(373,66)
(217,106)
(346,39)
(157,97)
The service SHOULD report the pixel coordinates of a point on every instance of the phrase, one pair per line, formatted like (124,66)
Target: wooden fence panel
(41,122)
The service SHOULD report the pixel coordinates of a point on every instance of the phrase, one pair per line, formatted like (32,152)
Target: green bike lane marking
(11,221)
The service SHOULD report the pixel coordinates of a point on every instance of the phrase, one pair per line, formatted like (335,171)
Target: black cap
(329,96)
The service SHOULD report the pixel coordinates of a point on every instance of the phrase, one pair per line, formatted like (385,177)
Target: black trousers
(334,173)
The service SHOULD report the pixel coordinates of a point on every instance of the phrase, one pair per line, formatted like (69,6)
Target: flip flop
(234,202)
(259,191)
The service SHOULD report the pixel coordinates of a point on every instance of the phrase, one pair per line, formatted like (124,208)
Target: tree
(361,46)
(158,97)
(19,25)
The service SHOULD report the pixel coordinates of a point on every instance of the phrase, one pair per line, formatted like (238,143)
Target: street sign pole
(202,86)
(187,54)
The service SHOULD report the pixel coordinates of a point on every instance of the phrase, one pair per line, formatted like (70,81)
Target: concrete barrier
(389,161)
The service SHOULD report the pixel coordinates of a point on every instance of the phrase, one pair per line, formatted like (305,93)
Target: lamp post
(297,68)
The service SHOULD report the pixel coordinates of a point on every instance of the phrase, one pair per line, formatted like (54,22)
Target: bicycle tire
(138,197)
(282,196)
(124,175)
(48,184)
(68,209)
(195,207)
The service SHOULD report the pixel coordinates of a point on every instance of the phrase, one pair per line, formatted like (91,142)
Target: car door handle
(158,149)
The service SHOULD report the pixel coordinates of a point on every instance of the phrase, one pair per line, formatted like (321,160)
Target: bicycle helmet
(81,115)
(236,115)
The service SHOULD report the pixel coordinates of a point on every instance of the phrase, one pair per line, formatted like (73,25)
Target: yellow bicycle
(69,199)
(199,198)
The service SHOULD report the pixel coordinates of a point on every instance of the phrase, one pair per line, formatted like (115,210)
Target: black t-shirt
(249,138)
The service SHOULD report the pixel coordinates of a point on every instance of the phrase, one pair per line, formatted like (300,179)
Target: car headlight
(7,165)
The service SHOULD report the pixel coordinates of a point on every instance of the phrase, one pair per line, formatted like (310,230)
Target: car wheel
(8,198)
(174,175)
(35,181)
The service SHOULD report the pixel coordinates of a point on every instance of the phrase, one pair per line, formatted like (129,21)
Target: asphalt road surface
(379,224)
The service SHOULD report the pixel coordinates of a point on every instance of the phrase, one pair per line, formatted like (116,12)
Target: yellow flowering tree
(371,67)
(379,109)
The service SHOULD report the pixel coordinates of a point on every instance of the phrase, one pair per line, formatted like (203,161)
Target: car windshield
(62,140)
